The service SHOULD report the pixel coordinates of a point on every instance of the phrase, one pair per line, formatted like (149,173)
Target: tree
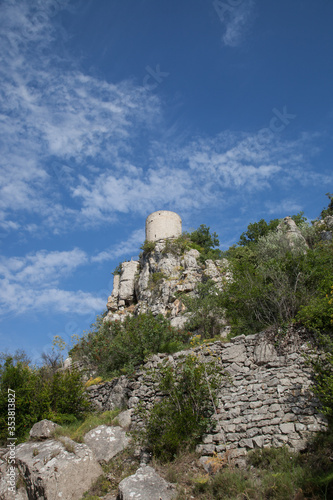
(204,238)
(257,230)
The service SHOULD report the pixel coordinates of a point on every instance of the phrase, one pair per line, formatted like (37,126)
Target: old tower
(163,224)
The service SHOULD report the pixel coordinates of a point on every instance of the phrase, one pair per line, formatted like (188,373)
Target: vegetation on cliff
(275,280)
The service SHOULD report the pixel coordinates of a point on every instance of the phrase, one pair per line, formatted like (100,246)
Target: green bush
(329,209)
(118,347)
(206,310)
(274,283)
(58,397)
(183,415)
(148,246)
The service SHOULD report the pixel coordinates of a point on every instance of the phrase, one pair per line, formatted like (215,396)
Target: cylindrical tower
(163,224)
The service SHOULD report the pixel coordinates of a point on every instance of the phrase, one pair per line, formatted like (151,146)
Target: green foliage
(318,467)
(323,376)
(178,245)
(183,415)
(270,474)
(275,282)
(205,241)
(38,396)
(206,310)
(257,230)
(329,209)
(118,347)
(204,238)
(117,269)
(148,246)
(156,279)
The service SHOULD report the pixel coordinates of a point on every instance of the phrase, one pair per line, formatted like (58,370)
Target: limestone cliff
(156,281)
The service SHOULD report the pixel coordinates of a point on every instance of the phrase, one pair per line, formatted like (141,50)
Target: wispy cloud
(235,18)
(75,148)
(31,283)
(125,248)
(54,118)
(238,25)
(196,175)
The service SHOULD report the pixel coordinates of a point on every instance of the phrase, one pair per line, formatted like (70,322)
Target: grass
(77,430)
(271,473)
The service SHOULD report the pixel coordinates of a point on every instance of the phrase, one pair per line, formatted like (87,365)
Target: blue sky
(218,110)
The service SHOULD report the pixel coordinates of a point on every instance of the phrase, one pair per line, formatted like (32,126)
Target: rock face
(106,441)
(53,469)
(153,284)
(123,286)
(145,484)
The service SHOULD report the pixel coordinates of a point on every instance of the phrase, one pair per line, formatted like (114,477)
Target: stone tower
(163,224)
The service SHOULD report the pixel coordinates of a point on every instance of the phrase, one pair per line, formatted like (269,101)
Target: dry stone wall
(266,401)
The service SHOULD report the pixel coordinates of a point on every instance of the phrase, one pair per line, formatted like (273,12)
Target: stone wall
(163,224)
(266,401)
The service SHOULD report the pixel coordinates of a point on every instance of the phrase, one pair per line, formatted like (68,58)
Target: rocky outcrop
(154,283)
(326,227)
(106,441)
(145,484)
(292,232)
(54,469)
(123,293)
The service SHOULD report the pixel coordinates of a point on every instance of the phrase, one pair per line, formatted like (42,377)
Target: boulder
(125,419)
(43,429)
(53,469)
(145,484)
(106,441)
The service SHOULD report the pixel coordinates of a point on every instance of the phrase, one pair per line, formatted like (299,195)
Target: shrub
(183,415)
(118,347)
(206,310)
(59,397)
(117,269)
(273,283)
(257,230)
(148,246)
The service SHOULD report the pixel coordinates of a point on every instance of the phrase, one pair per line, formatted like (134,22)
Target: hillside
(221,363)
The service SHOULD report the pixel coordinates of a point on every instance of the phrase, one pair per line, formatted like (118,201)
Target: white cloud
(195,175)
(286,206)
(54,118)
(30,283)
(125,248)
(42,266)
(235,16)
